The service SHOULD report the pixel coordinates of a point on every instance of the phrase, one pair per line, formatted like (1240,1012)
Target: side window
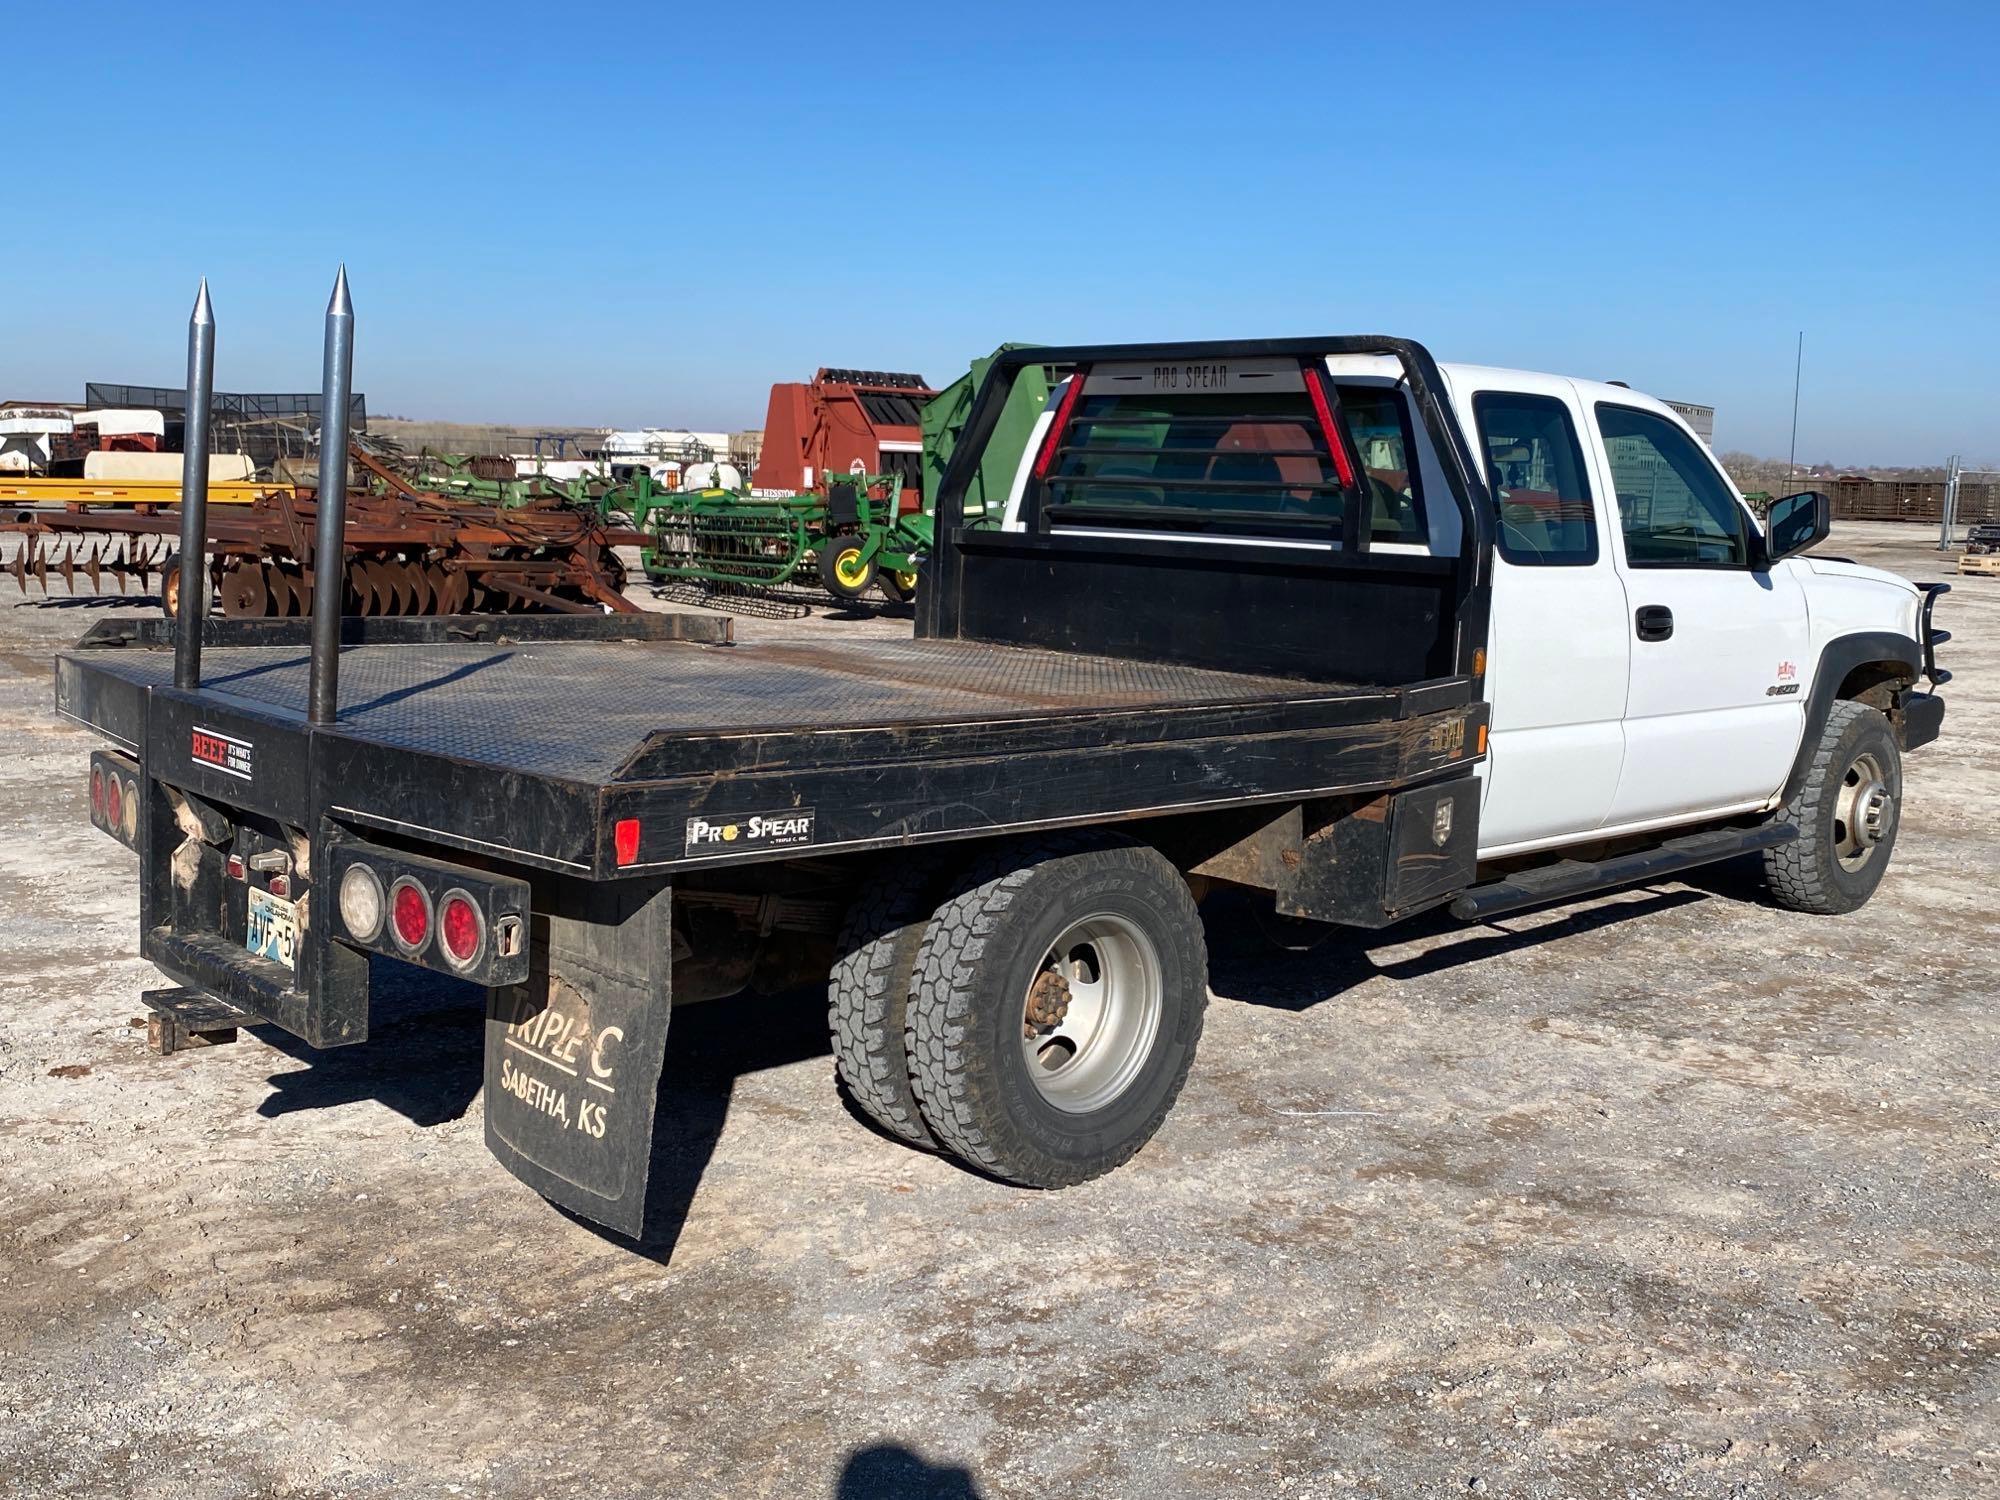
(1673,507)
(1534,466)
(1378,425)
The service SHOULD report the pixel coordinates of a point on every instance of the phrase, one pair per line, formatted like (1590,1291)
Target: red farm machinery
(845,423)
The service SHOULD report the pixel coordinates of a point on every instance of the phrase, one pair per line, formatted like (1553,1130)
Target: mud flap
(573,1056)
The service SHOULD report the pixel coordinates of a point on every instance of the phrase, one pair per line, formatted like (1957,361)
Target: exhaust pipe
(330,536)
(194,494)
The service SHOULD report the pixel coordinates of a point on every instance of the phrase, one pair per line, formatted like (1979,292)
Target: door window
(1676,511)
(1534,466)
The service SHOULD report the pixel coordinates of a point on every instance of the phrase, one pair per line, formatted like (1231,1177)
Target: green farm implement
(856,531)
(494,482)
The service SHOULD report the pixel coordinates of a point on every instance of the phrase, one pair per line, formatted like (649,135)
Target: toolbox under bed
(541,748)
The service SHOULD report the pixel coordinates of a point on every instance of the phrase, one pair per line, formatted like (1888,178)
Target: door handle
(1655,622)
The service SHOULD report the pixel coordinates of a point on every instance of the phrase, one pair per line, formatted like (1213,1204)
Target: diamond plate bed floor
(581,709)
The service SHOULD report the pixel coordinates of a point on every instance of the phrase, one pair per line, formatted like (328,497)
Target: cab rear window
(1244,462)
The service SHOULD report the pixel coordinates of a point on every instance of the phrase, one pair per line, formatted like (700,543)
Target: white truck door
(1715,711)
(1558,652)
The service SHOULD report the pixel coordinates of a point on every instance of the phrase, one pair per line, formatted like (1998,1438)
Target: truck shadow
(425,1059)
(709,1047)
(1734,880)
(889,1471)
(423,1056)
(1242,967)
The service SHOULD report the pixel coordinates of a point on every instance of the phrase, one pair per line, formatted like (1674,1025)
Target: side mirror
(1797,522)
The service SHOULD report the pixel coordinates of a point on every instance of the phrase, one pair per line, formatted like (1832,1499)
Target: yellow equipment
(129,491)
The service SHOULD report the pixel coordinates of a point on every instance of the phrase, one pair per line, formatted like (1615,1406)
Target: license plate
(273,930)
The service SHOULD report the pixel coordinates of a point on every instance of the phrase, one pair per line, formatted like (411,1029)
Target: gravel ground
(1669,1193)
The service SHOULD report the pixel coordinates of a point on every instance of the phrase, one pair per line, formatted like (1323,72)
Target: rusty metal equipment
(391,548)
(409,552)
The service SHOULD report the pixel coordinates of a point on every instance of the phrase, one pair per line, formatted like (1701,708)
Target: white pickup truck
(1310,618)
(1656,658)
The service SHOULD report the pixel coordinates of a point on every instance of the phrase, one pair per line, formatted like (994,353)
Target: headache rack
(1208,602)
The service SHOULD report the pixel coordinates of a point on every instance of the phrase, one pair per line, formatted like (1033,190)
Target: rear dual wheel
(1052,1011)
(868,995)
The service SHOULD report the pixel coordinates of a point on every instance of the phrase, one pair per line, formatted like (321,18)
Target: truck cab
(1655,656)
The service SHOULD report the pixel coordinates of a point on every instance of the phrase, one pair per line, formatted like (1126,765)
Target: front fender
(1898,659)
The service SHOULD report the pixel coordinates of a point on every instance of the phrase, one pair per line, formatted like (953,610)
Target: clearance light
(409,915)
(361,902)
(625,840)
(1323,409)
(1052,440)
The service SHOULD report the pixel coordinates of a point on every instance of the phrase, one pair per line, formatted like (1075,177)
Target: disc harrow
(410,552)
(45,553)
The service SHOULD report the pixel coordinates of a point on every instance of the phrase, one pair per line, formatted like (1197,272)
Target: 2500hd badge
(758,831)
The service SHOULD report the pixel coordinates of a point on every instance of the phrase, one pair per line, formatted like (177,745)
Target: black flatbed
(601,818)
(537,747)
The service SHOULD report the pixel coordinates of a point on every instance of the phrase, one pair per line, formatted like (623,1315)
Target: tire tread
(878,944)
(1798,874)
(961,1106)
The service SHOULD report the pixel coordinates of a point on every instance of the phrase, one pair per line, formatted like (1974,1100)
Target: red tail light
(461,929)
(1323,409)
(410,915)
(1052,439)
(625,840)
(114,803)
(97,793)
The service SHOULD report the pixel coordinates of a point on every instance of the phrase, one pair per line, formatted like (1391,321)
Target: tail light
(1052,439)
(410,915)
(471,923)
(461,929)
(115,803)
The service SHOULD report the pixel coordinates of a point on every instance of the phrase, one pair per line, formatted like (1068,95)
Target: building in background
(1700,418)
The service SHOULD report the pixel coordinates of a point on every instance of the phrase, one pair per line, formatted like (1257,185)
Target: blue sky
(648,213)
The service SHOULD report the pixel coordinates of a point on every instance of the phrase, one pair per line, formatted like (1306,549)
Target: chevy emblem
(1441,824)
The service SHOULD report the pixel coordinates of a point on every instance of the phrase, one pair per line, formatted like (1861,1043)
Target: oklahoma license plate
(273,930)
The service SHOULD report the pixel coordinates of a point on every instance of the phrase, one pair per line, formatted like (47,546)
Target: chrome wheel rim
(1864,812)
(1091,1013)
